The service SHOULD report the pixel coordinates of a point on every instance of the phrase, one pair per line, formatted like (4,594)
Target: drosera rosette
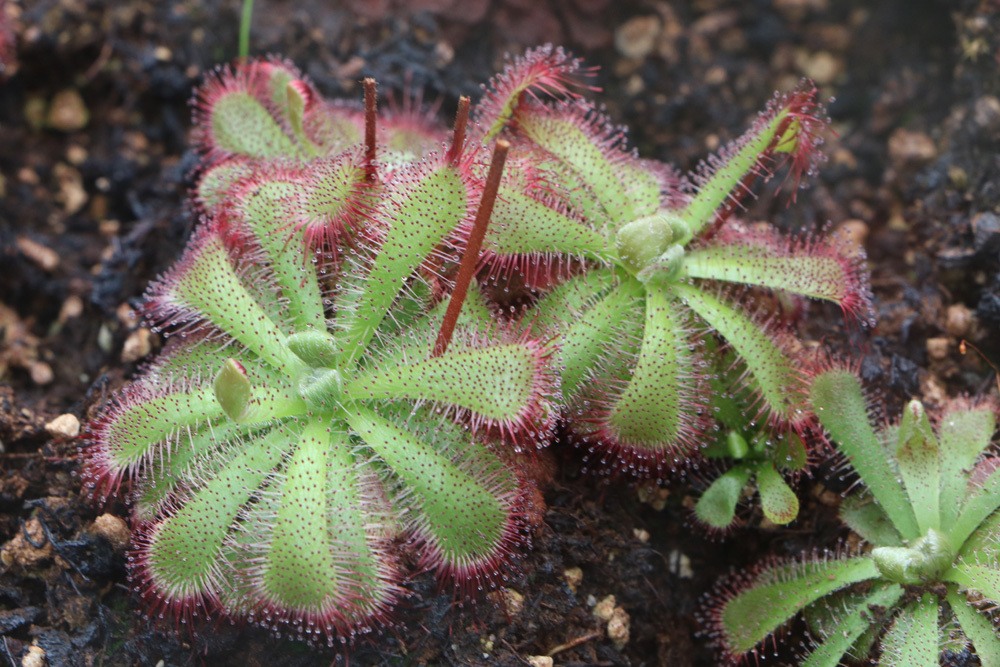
(925,581)
(310,412)
(266,110)
(652,264)
(745,460)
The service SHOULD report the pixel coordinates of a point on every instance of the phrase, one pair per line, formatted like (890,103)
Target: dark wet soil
(95,167)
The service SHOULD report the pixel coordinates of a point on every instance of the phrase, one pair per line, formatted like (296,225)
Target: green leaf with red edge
(418,212)
(573,139)
(771,370)
(852,625)
(163,474)
(566,302)
(241,125)
(264,206)
(205,285)
(651,413)
(815,272)
(215,182)
(584,343)
(543,71)
(208,513)
(497,384)
(132,428)
(523,224)
(319,557)
(779,592)
(787,129)
(461,497)
(255,110)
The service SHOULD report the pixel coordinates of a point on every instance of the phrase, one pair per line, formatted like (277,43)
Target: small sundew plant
(645,263)
(265,110)
(929,507)
(311,407)
(754,461)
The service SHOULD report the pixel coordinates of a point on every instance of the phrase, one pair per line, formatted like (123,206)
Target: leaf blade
(777,500)
(419,213)
(771,369)
(717,505)
(465,514)
(964,435)
(758,610)
(977,627)
(853,625)
(912,639)
(501,384)
(840,405)
(818,275)
(917,456)
(653,411)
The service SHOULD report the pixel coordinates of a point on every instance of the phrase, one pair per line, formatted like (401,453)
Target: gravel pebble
(637,37)
(67,113)
(66,425)
(986,114)
(938,348)
(43,256)
(605,608)
(21,552)
(851,235)
(114,530)
(958,320)
(511,600)
(909,149)
(654,496)
(137,345)
(40,372)
(822,67)
(34,657)
(573,577)
(540,661)
(618,621)
(72,194)
(71,307)
(619,627)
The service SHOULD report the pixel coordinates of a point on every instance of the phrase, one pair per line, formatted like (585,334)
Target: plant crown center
(320,388)
(650,244)
(924,561)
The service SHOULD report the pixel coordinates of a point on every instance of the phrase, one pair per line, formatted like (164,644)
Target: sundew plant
(637,265)
(925,584)
(317,411)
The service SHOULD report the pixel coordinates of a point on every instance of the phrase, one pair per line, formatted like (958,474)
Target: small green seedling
(316,415)
(753,459)
(647,264)
(926,582)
